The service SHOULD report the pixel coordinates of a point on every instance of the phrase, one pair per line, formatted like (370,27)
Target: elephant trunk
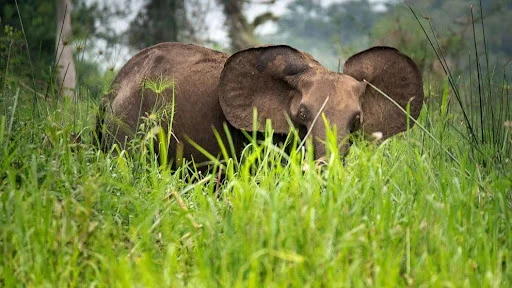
(319,141)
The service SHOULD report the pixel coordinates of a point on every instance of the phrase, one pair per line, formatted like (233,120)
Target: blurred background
(101,35)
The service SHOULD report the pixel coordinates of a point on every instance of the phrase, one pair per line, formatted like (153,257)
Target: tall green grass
(418,210)
(399,214)
(483,95)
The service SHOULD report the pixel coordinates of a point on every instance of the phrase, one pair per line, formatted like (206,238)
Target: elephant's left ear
(396,75)
(266,79)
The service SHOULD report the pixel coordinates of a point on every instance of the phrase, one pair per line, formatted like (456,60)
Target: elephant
(209,89)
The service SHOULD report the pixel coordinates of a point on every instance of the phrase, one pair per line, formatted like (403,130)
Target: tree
(89,18)
(240,30)
(453,25)
(353,19)
(66,72)
(159,21)
(327,31)
(40,35)
(238,27)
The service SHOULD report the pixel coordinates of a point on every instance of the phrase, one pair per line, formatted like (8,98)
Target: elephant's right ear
(264,78)
(396,75)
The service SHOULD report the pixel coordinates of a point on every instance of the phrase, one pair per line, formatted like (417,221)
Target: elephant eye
(302,113)
(356,123)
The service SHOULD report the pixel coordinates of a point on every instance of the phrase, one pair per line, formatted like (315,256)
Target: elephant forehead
(347,88)
(344,93)
(339,87)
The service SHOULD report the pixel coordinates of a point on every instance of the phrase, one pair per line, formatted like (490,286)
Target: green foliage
(452,24)
(40,34)
(11,53)
(10,39)
(159,21)
(93,82)
(338,30)
(485,101)
(399,214)
(39,28)
(400,30)
(403,213)
(158,85)
(93,19)
(326,31)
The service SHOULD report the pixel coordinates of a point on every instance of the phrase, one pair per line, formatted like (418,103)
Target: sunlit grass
(430,207)
(399,214)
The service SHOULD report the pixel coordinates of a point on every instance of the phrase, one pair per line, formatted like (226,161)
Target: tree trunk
(66,73)
(169,17)
(158,21)
(239,30)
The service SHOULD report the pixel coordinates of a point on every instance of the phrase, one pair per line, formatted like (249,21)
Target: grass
(485,103)
(399,214)
(428,208)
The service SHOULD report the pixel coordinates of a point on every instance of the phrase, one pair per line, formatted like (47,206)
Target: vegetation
(430,207)
(153,24)
(402,213)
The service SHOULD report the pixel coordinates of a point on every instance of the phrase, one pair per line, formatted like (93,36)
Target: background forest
(429,207)
(105,33)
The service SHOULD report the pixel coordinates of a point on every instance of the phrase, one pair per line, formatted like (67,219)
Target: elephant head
(283,83)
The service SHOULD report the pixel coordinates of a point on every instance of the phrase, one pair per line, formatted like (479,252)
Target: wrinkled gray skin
(212,88)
